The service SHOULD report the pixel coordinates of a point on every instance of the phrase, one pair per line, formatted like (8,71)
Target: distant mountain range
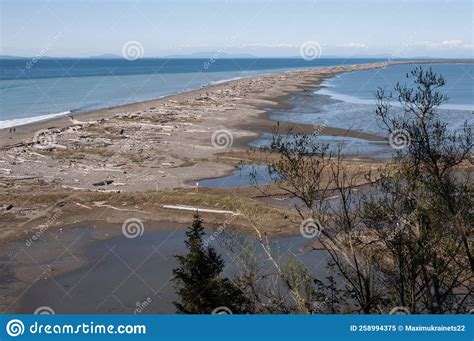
(197,55)
(212,54)
(102,56)
(217,55)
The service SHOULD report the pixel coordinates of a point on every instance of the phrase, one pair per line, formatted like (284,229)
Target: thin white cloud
(455,43)
(275,45)
(190,46)
(353,45)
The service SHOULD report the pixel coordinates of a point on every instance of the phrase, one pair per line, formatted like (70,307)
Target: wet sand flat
(106,272)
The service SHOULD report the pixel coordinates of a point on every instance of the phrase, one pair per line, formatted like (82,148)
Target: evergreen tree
(198,284)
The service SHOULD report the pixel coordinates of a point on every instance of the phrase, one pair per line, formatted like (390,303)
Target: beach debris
(7,207)
(53,146)
(82,205)
(72,187)
(103,183)
(134,148)
(37,154)
(101,190)
(198,209)
(116,165)
(103,204)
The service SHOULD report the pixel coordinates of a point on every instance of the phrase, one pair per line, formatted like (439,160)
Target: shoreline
(62,119)
(78,112)
(148,151)
(90,245)
(165,144)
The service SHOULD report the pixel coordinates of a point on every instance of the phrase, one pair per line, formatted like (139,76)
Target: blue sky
(432,28)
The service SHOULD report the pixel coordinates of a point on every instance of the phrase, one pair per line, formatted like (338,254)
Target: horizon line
(115,57)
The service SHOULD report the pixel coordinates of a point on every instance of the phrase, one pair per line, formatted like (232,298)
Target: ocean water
(348,100)
(31,91)
(359,87)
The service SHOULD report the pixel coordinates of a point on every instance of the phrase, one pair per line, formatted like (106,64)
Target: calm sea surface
(348,101)
(50,87)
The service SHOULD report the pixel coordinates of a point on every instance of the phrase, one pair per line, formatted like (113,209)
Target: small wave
(10,86)
(22,121)
(358,100)
(225,80)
